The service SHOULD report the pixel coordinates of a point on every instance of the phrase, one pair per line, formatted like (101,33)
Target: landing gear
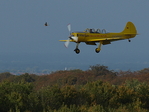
(77,50)
(129,40)
(97,50)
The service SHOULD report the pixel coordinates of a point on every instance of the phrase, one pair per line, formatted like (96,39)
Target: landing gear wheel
(97,50)
(77,51)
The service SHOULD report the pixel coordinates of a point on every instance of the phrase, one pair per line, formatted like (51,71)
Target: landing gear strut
(97,50)
(77,50)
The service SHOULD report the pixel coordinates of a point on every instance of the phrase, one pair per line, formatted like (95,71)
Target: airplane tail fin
(130,29)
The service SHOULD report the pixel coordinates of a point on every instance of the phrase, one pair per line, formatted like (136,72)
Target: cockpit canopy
(95,31)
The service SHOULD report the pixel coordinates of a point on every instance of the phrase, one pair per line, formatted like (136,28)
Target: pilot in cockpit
(91,31)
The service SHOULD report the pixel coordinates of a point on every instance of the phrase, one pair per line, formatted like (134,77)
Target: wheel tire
(97,50)
(77,51)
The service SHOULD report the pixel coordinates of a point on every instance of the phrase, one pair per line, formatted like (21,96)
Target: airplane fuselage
(87,37)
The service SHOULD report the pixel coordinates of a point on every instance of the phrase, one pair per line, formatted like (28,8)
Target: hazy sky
(22,31)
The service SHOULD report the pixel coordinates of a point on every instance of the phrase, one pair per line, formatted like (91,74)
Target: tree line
(95,90)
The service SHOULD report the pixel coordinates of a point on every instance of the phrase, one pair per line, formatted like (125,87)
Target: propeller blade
(69,27)
(67,43)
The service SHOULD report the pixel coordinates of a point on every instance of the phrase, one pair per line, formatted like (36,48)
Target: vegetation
(96,90)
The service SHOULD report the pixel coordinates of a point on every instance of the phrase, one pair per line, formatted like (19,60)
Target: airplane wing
(98,40)
(66,40)
(105,39)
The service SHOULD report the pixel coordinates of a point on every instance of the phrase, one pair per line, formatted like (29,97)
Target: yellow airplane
(92,36)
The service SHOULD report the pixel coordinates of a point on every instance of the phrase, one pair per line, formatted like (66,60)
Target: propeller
(68,41)
(71,37)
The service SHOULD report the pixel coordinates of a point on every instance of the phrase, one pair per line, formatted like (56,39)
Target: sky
(24,40)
